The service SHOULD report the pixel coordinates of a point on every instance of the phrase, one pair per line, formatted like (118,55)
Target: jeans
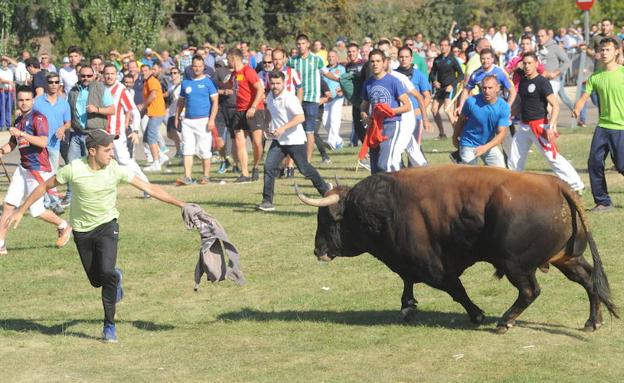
(274,158)
(604,142)
(358,126)
(6,107)
(51,199)
(310,111)
(77,149)
(317,137)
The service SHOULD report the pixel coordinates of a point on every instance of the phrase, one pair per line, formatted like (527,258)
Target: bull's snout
(322,255)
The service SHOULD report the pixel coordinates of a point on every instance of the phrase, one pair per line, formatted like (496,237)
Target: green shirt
(420,63)
(94,192)
(610,88)
(309,69)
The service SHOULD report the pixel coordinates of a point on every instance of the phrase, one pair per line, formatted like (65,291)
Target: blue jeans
(50,199)
(385,157)
(152,131)
(274,158)
(6,107)
(604,142)
(77,149)
(310,112)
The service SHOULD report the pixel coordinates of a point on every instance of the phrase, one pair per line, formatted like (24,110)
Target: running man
(609,134)
(30,135)
(536,94)
(445,74)
(94,215)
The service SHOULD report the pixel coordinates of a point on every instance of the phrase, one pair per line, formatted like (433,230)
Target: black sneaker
(290,173)
(266,206)
(455,157)
(281,173)
(242,180)
(235,169)
(255,174)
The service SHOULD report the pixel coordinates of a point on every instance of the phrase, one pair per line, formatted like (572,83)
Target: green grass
(295,320)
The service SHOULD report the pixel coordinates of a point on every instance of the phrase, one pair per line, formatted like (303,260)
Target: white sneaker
(153,167)
(163,159)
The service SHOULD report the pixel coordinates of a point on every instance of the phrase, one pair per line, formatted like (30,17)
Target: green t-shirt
(610,88)
(420,63)
(94,192)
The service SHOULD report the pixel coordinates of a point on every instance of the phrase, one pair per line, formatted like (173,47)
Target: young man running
(609,134)
(536,95)
(30,135)
(288,139)
(94,215)
(445,74)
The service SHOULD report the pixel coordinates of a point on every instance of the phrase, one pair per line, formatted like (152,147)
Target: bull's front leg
(408,302)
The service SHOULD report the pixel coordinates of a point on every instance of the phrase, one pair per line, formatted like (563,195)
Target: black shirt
(363,71)
(533,94)
(39,80)
(446,70)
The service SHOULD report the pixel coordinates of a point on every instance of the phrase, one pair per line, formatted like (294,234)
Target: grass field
(296,320)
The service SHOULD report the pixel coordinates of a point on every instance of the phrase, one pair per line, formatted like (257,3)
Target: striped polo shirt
(123,104)
(310,69)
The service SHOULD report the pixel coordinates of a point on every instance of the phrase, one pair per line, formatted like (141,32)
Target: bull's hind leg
(577,269)
(454,287)
(408,302)
(528,291)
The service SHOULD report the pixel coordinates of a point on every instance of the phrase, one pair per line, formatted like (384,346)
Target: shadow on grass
(34,325)
(457,321)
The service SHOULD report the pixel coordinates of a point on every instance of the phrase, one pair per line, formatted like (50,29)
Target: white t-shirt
(284,108)
(174,91)
(6,74)
(21,74)
(407,83)
(69,78)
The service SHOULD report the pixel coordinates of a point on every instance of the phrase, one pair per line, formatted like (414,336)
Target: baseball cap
(98,137)
(65,60)
(148,51)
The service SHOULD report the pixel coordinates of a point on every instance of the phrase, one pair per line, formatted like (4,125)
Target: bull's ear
(336,210)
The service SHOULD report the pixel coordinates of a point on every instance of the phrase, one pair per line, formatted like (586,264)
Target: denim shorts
(152,131)
(310,111)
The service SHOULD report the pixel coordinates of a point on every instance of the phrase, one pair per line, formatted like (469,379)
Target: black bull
(430,224)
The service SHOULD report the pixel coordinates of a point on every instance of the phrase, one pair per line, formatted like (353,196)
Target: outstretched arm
(156,192)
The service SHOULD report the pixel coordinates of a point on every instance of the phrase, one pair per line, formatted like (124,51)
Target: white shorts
(196,138)
(22,184)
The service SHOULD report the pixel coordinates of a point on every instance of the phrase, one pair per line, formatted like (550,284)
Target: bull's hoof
(503,327)
(477,319)
(591,326)
(408,313)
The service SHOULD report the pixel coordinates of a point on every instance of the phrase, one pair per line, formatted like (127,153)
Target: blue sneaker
(109,334)
(119,287)
(225,165)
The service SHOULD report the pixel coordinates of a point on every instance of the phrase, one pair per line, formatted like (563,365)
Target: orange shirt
(157,107)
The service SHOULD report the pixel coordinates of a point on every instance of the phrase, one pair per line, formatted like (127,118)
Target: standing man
(94,216)
(30,135)
(68,74)
(310,67)
(609,134)
(332,113)
(90,104)
(38,76)
(445,74)
(384,91)
(58,114)
(154,107)
(6,93)
(200,100)
(536,95)
(360,69)
(249,95)
(555,60)
(482,125)
(288,139)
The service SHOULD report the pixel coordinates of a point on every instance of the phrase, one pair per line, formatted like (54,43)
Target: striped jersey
(122,102)
(310,69)
(32,157)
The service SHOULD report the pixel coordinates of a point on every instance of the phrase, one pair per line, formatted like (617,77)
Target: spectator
(46,64)
(6,93)
(38,82)
(154,107)
(68,74)
(332,114)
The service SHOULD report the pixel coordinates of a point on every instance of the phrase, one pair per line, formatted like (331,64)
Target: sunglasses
(175,72)
(267,62)
(86,75)
(54,82)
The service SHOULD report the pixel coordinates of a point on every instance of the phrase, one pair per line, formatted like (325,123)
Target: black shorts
(171,124)
(442,94)
(224,120)
(260,121)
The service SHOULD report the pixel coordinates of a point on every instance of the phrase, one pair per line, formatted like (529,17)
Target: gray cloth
(218,257)
(553,57)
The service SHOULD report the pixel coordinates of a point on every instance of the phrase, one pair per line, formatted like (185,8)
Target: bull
(430,224)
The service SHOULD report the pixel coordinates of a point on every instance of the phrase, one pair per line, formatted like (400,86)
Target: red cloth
(373,135)
(537,127)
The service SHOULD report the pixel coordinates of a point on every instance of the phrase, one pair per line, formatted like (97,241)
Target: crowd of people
(496,89)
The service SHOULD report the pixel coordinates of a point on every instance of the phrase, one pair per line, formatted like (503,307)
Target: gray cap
(98,137)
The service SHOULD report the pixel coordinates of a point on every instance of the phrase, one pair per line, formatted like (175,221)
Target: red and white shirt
(122,101)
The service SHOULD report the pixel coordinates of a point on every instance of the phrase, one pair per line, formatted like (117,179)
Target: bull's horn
(318,202)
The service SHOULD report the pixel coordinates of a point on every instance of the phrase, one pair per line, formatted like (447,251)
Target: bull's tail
(599,278)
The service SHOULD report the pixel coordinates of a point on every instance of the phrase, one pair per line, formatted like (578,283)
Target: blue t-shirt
(421,83)
(83,100)
(478,76)
(483,120)
(57,115)
(197,96)
(386,90)
(337,71)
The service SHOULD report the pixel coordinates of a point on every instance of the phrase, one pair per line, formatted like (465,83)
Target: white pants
(522,141)
(22,184)
(122,156)
(332,117)
(405,134)
(556,85)
(493,157)
(196,138)
(414,152)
